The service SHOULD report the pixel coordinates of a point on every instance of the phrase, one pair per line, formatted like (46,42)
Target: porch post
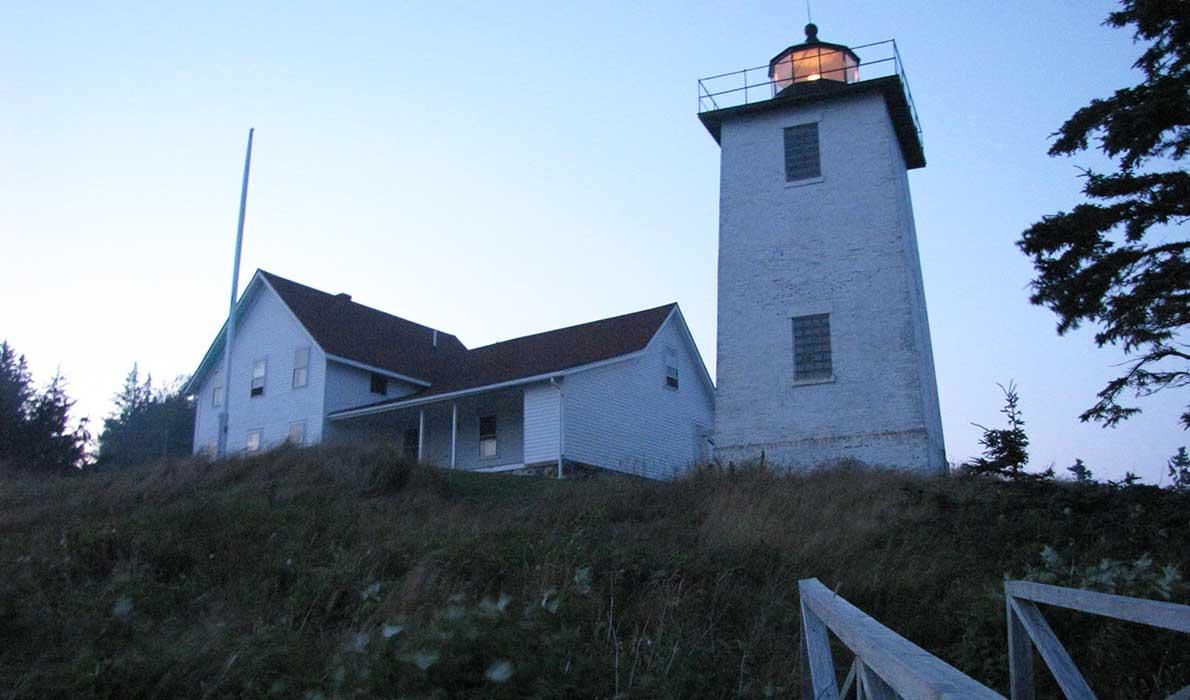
(421,432)
(454,431)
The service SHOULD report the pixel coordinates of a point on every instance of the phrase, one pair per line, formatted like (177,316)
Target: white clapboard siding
(542,423)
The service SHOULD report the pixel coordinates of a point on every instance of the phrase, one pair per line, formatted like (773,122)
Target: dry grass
(347,572)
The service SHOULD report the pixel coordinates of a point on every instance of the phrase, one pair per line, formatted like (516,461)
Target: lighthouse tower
(824,344)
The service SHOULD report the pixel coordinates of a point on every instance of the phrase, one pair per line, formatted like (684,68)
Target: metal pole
(229,336)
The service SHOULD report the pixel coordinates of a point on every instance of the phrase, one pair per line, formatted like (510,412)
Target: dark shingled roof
(363,334)
(544,353)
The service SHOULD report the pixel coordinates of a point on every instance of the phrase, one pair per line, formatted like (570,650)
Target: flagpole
(231,314)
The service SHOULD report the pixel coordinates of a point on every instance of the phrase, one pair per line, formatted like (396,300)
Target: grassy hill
(348,573)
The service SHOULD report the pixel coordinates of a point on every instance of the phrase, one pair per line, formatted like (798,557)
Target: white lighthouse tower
(824,343)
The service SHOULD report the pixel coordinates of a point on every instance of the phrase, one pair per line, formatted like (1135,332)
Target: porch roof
(534,357)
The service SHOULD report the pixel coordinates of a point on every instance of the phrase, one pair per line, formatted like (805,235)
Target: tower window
(259,370)
(812,347)
(379,384)
(801,153)
(487,436)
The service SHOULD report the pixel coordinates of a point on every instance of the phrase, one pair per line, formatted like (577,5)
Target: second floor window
(259,370)
(217,391)
(301,367)
(671,368)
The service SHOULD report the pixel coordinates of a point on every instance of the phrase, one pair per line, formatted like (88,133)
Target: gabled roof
(345,329)
(543,354)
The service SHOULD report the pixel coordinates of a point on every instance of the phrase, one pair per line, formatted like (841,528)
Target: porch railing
(1028,630)
(885,664)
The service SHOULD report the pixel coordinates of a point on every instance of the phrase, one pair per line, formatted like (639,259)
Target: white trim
(706,376)
(372,368)
(501,468)
(409,403)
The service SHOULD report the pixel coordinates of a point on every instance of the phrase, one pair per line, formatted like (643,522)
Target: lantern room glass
(810,63)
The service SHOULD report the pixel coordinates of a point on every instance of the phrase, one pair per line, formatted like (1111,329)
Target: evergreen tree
(53,444)
(1120,261)
(15,394)
(1179,470)
(1005,450)
(146,424)
(1081,473)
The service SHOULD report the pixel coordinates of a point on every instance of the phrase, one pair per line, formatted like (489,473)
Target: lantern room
(812,61)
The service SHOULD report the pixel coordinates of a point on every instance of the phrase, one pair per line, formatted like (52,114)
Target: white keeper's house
(628,393)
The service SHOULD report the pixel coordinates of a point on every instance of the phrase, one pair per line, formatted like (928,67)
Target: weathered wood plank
(818,654)
(909,670)
(874,687)
(851,679)
(1022,682)
(1069,678)
(1155,613)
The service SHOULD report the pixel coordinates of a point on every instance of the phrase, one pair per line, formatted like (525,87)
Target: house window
(801,153)
(812,347)
(297,433)
(259,369)
(253,444)
(301,367)
(671,368)
(379,384)
(487,436)
(217,391)
(409,443)
(212,449)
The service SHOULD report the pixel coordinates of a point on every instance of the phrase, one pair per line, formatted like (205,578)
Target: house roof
(366,335)
(543,354)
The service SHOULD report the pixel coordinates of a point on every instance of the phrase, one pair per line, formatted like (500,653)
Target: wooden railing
(886,665)
(1028,629)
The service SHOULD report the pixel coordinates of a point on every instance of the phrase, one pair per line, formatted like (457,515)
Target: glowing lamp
(811,61)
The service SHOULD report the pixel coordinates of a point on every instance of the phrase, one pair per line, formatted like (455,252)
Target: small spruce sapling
(1006,450)
(1179,470)
(1081,473)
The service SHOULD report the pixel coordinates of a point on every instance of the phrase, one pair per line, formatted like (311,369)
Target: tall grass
(351,573)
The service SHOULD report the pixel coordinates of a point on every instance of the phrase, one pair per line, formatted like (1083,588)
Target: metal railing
(751,85)
(1028,629)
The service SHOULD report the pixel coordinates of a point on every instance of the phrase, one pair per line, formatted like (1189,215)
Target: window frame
(383,383)
(672,373)
(259,433)
(253,390)
(812,343)
(301,425)
(304,368)
(492,438)
(218,390)
(786,147)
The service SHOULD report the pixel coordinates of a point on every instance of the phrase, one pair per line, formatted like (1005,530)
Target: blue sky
(496,169)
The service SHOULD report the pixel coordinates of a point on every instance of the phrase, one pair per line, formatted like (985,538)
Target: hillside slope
(347,573)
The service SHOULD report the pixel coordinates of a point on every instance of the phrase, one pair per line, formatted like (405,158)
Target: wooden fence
(886,666)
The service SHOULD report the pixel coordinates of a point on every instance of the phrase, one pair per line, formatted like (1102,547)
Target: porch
(477,431)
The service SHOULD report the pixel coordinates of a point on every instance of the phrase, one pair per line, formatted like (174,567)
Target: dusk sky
(498,169)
